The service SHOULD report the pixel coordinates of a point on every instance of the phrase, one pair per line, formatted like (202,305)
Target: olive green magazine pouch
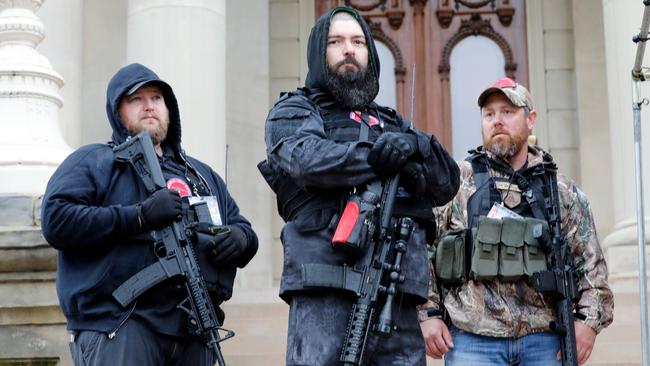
(450,257)
(485,253)
(534,253)
(511,253)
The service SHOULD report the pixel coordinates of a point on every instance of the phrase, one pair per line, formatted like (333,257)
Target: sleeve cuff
(590,317)
(429,313)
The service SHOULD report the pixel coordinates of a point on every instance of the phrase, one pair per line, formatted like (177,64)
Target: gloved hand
(391,151)
(228,244)
(412,178)
(160,209)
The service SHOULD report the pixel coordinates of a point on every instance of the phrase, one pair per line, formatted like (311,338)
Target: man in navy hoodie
(98,213)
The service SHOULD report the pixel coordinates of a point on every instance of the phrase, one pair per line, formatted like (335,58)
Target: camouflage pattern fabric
(499,309)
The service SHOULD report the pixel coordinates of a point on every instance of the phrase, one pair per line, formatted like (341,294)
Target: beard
(353,89)
(157,132)
(506,146)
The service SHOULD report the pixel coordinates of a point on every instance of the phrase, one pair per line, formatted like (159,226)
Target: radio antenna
(225,178)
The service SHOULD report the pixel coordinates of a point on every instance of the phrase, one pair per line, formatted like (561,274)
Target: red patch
(356,116)
(178,185)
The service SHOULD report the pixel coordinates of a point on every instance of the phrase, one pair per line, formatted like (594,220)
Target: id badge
(213,206)
(499,211)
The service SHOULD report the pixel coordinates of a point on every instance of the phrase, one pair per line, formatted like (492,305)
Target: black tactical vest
(313,209)
(311,215)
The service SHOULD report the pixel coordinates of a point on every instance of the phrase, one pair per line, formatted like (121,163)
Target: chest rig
(507,248)
(531,181)
(313,209)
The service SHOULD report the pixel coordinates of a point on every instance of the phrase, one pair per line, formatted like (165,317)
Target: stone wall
(32,327)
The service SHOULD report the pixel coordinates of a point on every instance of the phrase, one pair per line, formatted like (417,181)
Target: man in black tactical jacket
(99,215)
(324,142)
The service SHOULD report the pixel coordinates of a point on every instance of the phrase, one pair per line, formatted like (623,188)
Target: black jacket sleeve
(232,216)
(297,144)
(440,169)
(74,214)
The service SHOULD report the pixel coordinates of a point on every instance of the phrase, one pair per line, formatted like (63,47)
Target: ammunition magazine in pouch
(508,248)
(485,253)
(511,250)
(536,241)
(356,226)
(449,262)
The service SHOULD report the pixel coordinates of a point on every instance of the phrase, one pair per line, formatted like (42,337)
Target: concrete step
(262,329)
(261,334)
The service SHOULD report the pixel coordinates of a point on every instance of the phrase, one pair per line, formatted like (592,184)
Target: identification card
(212,204)
(499,211)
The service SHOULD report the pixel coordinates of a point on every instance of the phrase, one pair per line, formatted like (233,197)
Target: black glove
(228,244)
(412,178)
(391,151)
(160,209)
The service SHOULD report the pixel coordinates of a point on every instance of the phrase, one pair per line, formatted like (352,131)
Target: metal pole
(640,40)
(640,217)
(638,76)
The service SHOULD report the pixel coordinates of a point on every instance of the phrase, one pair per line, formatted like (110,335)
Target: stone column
(31,143)
(32,328)
(622,19)
(184,42)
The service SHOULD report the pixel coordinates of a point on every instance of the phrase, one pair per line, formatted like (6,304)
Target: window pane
(387,86)
(475,63)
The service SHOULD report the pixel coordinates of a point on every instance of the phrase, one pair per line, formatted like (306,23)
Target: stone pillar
(31,143)
(622,19)
(32,328)
(184,42)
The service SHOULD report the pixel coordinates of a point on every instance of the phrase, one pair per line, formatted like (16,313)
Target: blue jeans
(539,349)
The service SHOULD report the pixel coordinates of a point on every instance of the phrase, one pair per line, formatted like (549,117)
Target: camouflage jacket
(499,309)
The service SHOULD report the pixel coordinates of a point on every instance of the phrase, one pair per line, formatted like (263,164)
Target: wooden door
(425,33)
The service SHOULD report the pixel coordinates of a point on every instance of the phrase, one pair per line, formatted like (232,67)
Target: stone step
(262,328)
(261,334)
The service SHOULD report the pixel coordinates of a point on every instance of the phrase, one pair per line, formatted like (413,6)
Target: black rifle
(374,267)
(176,256)
(559,281)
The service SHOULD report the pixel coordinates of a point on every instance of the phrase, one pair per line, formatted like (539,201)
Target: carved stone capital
(395,18)
(505,15)
(418,6)
(444,17)
(32,5)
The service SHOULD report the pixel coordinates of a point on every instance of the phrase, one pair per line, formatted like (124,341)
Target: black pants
(135,344)
(318,324)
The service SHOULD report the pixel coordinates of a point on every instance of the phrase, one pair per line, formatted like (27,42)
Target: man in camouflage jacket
(493,322)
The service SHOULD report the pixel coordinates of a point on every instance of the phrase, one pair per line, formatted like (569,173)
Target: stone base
(34,345)
(44,361)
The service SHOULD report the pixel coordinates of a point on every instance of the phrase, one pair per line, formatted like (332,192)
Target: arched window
(475,62)
(387,86)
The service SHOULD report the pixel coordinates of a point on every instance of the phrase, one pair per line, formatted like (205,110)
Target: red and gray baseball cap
(516,93)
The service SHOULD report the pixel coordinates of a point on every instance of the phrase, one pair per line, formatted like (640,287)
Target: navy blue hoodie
(89,215)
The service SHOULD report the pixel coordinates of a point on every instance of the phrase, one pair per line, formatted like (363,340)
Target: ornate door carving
(425,32)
